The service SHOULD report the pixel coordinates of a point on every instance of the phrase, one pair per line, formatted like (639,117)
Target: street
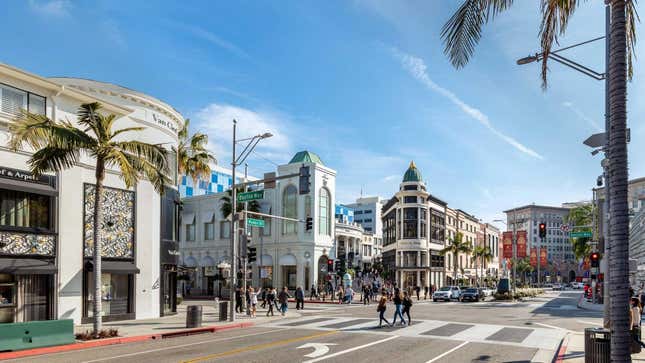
(440,332)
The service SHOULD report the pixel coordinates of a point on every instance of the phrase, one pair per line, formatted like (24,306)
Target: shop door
(169,292)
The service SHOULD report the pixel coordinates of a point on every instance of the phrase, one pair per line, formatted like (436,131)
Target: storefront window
(289,209)
(20,209)
(7,295)
(289,277)
(115,292)
(410,222)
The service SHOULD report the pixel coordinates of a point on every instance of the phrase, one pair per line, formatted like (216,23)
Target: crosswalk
(540,338)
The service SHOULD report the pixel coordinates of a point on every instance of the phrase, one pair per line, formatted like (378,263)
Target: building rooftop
(537,206)
(412,174)
(306,157)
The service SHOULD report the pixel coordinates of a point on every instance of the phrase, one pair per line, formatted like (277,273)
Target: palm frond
(52,158)
(463,30)
(555,18)
(38,131)
(127,129)
(88,116)
(631,17)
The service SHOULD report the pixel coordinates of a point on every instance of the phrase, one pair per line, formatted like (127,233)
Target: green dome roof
(412,174)
(306,157)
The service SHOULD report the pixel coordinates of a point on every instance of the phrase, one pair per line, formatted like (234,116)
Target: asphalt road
(440,332)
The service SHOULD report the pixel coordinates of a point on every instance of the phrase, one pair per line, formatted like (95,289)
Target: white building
(413,234)
(45,261)
(288,254)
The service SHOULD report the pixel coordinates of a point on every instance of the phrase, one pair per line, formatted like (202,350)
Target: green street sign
(580,234)
(245,197)
(252,222)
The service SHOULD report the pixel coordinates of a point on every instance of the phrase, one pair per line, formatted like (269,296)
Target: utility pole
(246,236)
(233,232)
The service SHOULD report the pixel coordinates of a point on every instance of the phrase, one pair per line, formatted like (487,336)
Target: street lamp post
(235,161)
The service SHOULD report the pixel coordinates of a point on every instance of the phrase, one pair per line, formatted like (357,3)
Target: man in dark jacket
(300,298)
(283,298)
(238,301)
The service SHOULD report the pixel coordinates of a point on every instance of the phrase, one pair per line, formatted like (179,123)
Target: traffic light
(330,265)
(337,265)
(595,259)
(251,254)
(542,230)
(304,180)
(309,223)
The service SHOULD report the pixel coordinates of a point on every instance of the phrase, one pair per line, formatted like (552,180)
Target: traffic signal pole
(244,259)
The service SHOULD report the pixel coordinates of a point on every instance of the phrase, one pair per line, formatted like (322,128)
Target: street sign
(252,222)
(564,228)
(246,196)
(580,234)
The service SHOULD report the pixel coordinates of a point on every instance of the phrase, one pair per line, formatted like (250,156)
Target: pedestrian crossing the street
(540,338)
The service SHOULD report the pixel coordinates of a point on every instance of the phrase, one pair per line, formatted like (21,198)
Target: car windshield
(471,290)
(444,289)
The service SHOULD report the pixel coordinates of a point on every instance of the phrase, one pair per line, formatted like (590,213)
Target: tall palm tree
(192,156)
(455,247)
(58,145)
(462,33)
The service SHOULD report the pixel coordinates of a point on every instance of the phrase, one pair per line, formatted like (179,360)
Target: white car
(446,293)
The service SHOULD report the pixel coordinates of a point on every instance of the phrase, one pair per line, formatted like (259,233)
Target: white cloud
(216,120)
(391,178)
(113,32)
(57,8)
(418,69)
(593,123)
(214,39)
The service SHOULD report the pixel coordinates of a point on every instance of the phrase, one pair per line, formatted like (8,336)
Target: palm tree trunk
(98,217)
(454,264)
(619,221)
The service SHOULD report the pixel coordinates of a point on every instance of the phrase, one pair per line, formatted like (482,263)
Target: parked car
(557,287)
(487,291)
(577,285)
(503,286)
(471,294)
(446,293)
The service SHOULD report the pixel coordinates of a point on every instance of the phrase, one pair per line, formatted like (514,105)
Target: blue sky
(362,83)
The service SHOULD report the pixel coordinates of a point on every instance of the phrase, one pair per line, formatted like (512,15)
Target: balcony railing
(24,243)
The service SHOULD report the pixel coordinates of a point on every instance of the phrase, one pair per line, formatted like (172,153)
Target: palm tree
(192,156)
(486,257)
(227,206)
(455,247)
(462,33)
(58,145)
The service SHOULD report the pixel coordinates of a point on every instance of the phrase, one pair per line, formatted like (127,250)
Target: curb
(559,357)
(119,340)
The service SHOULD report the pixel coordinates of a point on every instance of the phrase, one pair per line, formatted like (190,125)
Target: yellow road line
(259,346)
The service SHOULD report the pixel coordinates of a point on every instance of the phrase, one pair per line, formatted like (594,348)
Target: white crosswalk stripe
(540,338)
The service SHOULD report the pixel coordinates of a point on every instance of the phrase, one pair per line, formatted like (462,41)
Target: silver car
(446,293)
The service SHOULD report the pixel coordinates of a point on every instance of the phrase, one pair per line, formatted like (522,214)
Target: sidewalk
(131,331)
(583,303)
(573,349)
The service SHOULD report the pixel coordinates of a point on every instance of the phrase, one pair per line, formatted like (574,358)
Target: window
(410,187)
(20,209)
(410,216)
(389,228)
(324,219)
(225,229)
(266,230)
(367,220)
(409,199)
(190,232)
(209,230)
(424,225)
(358,212)
(367,211)
(13,100)
(289,209)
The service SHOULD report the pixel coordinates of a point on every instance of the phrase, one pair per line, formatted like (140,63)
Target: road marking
(589,322)
(447,352)
(259,346)
(552,326)
(172,347)
(351,349)
(319,349)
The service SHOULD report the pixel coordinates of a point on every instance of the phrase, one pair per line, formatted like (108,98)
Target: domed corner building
(414,234)
(46,222)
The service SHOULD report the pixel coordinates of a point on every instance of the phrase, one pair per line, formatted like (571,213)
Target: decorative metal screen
(117,227)
(19,243)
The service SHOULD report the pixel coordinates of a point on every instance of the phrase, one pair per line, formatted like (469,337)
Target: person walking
(300,298)
(275,298)
(417,289)
(635,325)
(349,294)
(248,301)
(341,295)
(264,297)
(314,293)
(283,298)
(425,292)
(238,301)
(270,301)
(407,304)
(366,295)
(253,299)
(398,301)
(381,311)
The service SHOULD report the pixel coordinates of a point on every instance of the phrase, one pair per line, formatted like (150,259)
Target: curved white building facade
(44,223)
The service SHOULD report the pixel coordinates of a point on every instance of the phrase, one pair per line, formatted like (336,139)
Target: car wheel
(435,300)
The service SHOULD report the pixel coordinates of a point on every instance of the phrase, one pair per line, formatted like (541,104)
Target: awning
(287,260)
(188,218)
(207,261)
(207,217)
(28,187)
(116,267)
(27,266)
(267,260)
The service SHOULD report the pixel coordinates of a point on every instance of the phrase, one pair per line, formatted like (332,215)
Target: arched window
(289,209)
(324,218)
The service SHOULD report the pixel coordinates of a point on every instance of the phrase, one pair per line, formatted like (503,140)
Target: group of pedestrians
(270,297)
(402,305)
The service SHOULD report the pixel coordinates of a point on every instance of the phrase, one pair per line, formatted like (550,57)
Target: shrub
(104,333)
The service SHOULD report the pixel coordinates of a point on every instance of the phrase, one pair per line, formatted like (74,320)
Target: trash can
(223,310)
(597,344)
(194,316)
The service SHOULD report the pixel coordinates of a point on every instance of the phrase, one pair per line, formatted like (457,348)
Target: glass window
(424,224)
(209,230)
(7,294)
(410,216)
(225,229)
(410,199)
(13,100)
(190,232)
(20,209)
(266,230)
(115,291)
(289,209)
(324,219)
